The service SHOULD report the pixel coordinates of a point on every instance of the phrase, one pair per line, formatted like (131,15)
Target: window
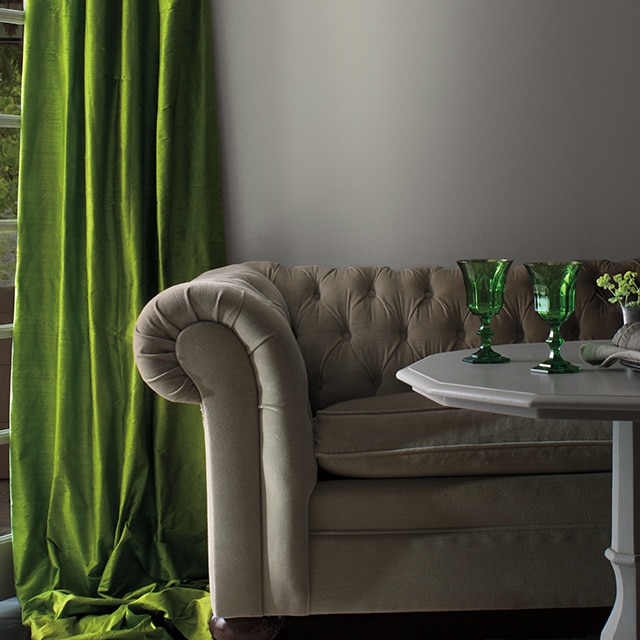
(11,41)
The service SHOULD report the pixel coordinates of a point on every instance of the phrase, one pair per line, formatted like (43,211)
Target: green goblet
(484,281)
(554,288)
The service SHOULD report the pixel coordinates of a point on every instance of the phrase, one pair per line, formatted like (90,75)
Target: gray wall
(406,132)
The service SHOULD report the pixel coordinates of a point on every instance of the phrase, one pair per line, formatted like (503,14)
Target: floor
(571,623)
(10,621)
(516,625)
(10,625)
(520,625)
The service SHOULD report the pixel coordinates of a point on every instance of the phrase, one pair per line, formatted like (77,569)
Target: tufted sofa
(333,488)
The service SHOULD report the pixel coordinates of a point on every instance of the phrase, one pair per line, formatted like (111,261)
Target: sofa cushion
(406,435)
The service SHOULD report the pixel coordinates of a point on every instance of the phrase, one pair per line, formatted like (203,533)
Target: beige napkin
(625,345)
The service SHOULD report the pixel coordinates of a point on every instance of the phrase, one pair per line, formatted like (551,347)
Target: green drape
(119,197)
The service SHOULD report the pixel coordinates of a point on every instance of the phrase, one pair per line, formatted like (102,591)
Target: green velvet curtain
(119,197)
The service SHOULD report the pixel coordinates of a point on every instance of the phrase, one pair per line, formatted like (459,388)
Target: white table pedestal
(623,623)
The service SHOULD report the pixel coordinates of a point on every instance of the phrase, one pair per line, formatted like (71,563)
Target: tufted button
(346,336)
(403,335)
(428,295)
(460,334)
(376,382)
(316,296)
(371,294)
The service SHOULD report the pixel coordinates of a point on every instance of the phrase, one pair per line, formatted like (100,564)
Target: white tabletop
(512,388)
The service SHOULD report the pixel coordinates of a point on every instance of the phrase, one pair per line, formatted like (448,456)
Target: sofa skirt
(446,544)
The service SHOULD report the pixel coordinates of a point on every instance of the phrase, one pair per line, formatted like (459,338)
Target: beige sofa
(335,489)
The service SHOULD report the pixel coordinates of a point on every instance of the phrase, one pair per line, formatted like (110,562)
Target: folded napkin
(625,345)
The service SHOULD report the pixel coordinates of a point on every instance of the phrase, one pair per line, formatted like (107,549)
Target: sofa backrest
(357,326)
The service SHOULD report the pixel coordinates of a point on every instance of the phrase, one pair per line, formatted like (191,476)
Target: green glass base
(485,356)
(555,366)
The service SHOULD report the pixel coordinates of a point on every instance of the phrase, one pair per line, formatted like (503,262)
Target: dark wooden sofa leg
(245,628)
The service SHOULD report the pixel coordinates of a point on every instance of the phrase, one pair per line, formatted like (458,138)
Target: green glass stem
(555,363)
(485,354)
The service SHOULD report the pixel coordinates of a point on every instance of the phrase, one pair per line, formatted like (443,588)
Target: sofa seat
(403,435)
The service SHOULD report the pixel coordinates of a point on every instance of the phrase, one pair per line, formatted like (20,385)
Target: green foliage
(622,287)
(10,89)
(10,103)
(10,77)
(8,249)
(9,157)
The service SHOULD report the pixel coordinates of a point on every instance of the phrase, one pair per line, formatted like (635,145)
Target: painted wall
(405,132)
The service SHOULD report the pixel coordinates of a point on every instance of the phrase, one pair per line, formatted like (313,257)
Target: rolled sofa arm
(224,340)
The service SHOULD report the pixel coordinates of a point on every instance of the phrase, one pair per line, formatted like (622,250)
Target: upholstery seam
(453,530)
(427,449)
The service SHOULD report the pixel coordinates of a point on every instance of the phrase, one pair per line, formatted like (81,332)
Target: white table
(591,394)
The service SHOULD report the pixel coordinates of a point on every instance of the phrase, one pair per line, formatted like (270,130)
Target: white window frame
(7,583)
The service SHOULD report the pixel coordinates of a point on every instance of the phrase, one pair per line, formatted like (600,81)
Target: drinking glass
(554,287)
(484,281)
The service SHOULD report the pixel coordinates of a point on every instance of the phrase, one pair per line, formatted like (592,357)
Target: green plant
(622,287)
(10,76)
(8,251)
(10,103)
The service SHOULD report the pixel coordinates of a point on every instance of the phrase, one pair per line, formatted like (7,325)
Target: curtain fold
(119,197)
